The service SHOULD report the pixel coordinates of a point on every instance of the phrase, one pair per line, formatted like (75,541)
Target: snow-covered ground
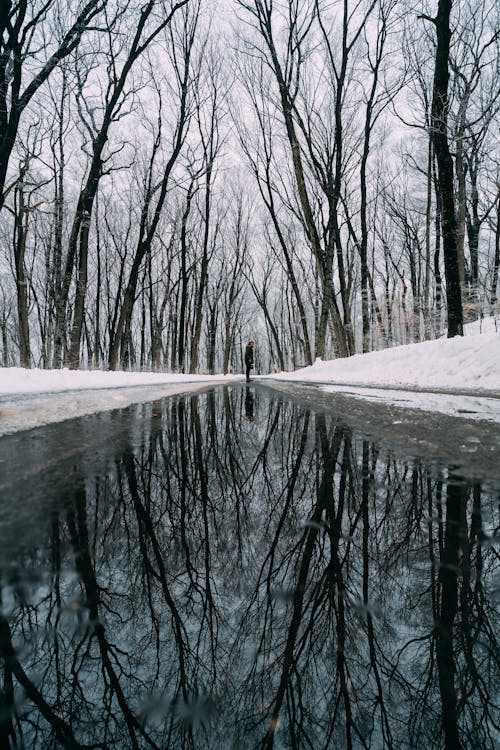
(455,376)
(16,380)
(459,376)
(30,398)
(469,363)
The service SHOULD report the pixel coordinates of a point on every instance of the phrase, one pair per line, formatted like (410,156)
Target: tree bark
(21,230)
(439,120)
(198,315)
(496,264)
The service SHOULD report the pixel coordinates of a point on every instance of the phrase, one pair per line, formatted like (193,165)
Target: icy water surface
(233,570)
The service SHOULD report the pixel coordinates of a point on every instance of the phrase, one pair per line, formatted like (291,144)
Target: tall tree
(439,132)
(152,210)
(286,69)
(209,124)
(143,38)
(19,23)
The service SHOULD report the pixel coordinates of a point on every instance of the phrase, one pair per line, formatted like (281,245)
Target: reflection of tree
(110,653)
(13,669)
(446,616)
(457,658)
(459,644)
(227,584)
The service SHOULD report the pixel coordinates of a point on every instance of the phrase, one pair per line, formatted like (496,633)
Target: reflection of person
(248,359)
(249,404)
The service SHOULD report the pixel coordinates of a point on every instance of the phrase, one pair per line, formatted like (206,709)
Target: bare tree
(287,75)
(209,117)
(181,52)
(439,130)
(143,38)
(20,25)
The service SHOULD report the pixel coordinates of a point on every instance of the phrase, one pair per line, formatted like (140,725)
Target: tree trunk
(198,315)
(473,227)
(181,342)
(461,209)
(21,281)
(211,335)
(228,321)
(428,209)
(496,264)
(5,349)
(81,290)
(439,117)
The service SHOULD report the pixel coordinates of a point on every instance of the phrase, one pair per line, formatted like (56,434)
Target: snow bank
(483,325)
(19,380)
(469,363)
(24,412)
(32,398)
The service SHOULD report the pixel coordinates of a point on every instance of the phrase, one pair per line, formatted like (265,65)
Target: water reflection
(227,584)
(249,404)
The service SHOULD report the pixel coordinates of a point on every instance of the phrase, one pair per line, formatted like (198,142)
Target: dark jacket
(249,355)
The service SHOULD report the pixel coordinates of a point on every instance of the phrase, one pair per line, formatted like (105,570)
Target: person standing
(248,359)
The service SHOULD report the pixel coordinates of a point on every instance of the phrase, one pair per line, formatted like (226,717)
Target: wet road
(471,446)
(250,568)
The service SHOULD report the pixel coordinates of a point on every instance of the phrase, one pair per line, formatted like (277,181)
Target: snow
(468,364)
(483,325)
(459,376)
(20,380)
(456,405)
(31,398)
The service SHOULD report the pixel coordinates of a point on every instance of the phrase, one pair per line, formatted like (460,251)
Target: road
(461,440)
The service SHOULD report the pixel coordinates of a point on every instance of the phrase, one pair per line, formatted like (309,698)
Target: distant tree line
(177,177)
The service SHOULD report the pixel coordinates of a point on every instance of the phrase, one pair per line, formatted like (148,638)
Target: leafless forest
(176,177)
